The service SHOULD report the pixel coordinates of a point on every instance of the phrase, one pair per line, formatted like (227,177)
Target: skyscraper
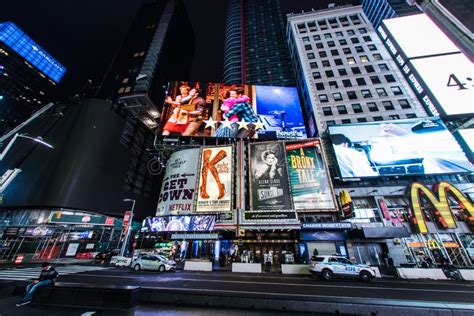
(255,45)
(378,10)
(28,76)
(344,71)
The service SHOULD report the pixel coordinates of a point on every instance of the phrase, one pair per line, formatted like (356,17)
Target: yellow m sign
(440,203)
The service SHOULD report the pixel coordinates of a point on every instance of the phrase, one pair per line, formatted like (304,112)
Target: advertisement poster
(214,193)
(308,177)
(199,223)
(179,183)
(421,146)
(241,111)
(268,177)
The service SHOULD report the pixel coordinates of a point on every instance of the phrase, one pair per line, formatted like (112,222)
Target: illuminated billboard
(232,111)
(399,147)
(34,54)
(199,223)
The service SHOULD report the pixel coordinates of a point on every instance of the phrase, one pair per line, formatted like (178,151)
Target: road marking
(287,284)
(22,274)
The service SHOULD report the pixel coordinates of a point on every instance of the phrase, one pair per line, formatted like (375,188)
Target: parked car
(153,262)
(107,255)
(336,266)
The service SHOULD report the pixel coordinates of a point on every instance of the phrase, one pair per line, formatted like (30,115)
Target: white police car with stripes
(330,266)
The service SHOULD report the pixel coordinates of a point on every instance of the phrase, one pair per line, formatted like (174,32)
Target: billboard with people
(401,147)
(232,111)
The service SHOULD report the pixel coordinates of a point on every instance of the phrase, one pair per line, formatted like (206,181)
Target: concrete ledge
(295,269)
(197,266)
(246,267)
(467,274)
(415,273)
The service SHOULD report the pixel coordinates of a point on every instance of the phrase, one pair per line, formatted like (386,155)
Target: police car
(330,266)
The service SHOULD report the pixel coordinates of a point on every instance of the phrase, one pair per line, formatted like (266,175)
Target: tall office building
(344,71)
(28,76)
(378,10)
(255,45)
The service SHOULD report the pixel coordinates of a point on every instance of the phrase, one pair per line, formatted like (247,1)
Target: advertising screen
(215,180)
(200,223)
(400,147)
(309,181)
(268,177)
(23,45)
(468,136)
(179,182)
(218,110)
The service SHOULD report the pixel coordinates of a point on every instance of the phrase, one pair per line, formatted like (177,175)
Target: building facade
(345,72)
(255,49)
(378,10)
(28,76)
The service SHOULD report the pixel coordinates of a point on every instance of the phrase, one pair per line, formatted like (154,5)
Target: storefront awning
(385,232)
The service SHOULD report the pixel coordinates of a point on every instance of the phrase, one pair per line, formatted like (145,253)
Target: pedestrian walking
(47,276)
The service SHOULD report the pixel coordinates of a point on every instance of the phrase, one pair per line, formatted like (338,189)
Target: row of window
(306,39)
(371,106)
(346,51)
(352,95)
(381,92)
(355,70)
(332,23)
(338,62)
(347,82)
(363,119)
(342,42)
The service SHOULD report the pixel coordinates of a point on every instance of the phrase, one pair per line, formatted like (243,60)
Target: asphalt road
(288,287)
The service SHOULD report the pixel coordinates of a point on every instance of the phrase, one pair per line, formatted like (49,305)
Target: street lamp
(125,242)
(37,139)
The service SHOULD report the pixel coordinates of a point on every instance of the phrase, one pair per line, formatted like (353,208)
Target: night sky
(85,35)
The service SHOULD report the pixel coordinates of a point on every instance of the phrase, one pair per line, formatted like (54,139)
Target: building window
(372,47)
(323,54)
(319,45)
(342,72)
(301,28)
(342,42)
(411,115)
(350,32)
(388,105)
(355,70)
(327,111)
(381,92)
(339,34)
(355,40)
(327,35)
(383,67)
(310,56)
(359,49)
(361,82)
(330,123)
(351,95)
(396,90)
(341,109)
(312,26)
(351,60)
(378,118)
(308,47)
(364,59)
(347,51)
(361,119)
(306,39)
(338,62)
(333,84)
(323,98)
(329,73)
(319,86)
(121,90)
(346,121)
(316,75)
(367,38)
(394,117)
(375,79)
(125,80)
(377,57)
(369,68)
(334,52)
(337,96)
(331,44)
(313,65)
(347,83)
(404,104)
(372,107)
(390,78)
(326,63)
(127,89)
(362,30)
(366,94)
(316,37)
(357,108)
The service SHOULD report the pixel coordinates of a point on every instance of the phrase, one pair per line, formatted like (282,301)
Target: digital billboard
(232,111)
(200,223)
(215,180)
(309,180)
(179,183)
(269,185)
(399,147)
(23,45)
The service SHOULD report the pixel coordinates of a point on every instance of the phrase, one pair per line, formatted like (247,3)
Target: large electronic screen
(468,137)
(400,147)
(23,45)
(199,223)
(232,111)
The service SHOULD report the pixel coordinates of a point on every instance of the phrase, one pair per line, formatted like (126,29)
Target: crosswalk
(22,274)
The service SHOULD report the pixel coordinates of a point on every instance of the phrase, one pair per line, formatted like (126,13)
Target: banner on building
(269,185)
(179,223)
(214,193)
(179,184)
(309,181)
